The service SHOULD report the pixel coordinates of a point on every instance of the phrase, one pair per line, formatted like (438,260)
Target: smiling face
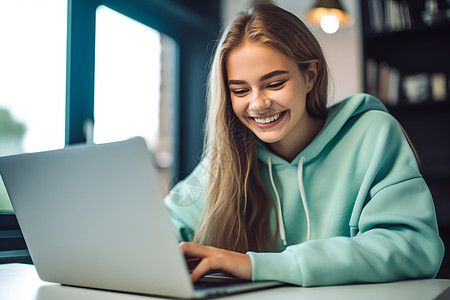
(268,94)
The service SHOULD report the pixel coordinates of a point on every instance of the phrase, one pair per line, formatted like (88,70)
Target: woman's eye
(276,85)
(239,92)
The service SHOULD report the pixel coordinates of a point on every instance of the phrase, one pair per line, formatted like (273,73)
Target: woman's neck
(288,149)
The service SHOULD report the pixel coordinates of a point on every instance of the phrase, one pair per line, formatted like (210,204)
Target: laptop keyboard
(218,280)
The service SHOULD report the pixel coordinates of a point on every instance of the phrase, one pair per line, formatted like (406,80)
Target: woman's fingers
(206,266)
(192,250)
(202,260)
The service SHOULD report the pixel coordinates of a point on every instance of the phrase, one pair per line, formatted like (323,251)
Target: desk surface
(21,282)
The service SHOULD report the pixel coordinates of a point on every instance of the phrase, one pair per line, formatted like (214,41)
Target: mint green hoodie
(352,206)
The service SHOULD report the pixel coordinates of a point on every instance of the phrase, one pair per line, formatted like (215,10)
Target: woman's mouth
(269,121)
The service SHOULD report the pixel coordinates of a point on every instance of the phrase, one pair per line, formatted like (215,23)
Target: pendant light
(329,15)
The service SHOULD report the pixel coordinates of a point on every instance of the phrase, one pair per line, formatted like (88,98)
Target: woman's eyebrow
(264,77)
(230,82)
(272,74)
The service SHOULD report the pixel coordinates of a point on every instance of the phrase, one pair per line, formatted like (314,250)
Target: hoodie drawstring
(280,213)
(302,193)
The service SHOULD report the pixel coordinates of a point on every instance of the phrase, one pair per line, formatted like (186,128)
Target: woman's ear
(311,75)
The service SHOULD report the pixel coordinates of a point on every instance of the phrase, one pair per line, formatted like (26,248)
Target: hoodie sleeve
(185,202)
(393,226)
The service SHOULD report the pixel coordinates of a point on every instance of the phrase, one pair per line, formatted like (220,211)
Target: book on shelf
(416,87)
(376,14)
(383,81)
(390,86)
(389,15)
(439,86)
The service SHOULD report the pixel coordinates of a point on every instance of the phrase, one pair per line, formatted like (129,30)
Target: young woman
(289,189)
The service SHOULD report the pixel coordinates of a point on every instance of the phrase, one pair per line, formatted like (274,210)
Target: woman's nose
(259,102)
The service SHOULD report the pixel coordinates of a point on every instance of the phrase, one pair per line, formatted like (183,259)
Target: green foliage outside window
(11,135)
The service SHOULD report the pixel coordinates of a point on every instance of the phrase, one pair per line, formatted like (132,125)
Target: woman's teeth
(268,119)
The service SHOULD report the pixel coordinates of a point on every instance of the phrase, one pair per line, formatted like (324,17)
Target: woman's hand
(203,260)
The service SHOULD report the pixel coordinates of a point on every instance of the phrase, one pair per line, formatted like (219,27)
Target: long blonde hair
(238,207)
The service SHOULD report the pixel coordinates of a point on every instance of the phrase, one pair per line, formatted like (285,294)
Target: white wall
(342,49)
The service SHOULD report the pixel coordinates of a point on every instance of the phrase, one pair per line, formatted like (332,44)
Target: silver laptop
(93,216)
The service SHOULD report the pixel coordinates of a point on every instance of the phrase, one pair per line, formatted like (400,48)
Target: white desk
(21,282)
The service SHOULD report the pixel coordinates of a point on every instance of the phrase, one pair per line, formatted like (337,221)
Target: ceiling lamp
(329,15)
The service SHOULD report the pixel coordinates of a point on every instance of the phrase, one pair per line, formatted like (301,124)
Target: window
(34,36)
(32,78)
(130,98)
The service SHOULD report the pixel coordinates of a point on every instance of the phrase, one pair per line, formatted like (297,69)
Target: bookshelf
(406,56)
(406,64)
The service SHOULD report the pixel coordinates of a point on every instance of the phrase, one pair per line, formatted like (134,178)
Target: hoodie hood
(338,115)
